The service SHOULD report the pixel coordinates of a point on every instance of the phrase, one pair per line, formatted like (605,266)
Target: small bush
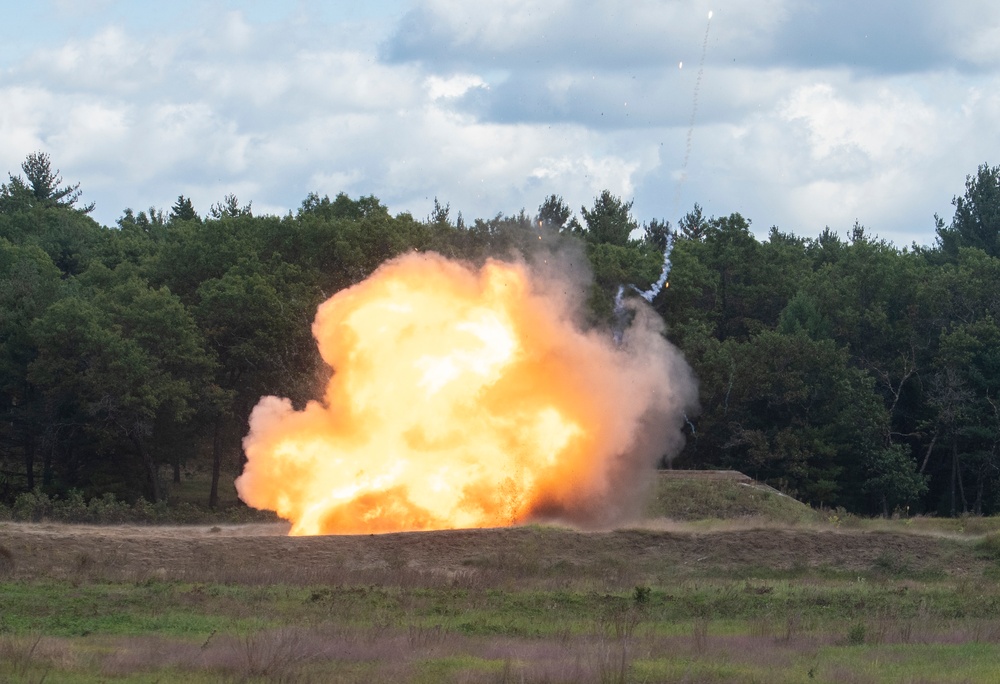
(107,509)
(641,595)
(856,634)
(36,506)
(33,506)
(276,654)
(74,507)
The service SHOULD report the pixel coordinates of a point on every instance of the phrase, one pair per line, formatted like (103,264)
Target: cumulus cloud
(806,116)
(578,34)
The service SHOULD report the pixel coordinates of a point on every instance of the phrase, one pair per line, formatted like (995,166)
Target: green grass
(961,663)
(711,630)
(765,590)
(65,610)
(682,496)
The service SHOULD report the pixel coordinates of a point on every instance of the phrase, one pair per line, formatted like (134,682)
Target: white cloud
(886,152)
(453,86)
(235,33)
(601,33)
(970,28)
(316,119)
(87,126)
(23,122)
(110,61)
(885,127)
(493,107)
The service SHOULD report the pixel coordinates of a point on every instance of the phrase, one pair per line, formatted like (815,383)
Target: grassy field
(766,590)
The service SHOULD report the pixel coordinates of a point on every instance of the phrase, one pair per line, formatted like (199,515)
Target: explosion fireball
(466,397)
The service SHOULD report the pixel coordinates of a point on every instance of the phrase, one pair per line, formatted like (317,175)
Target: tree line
(847,372)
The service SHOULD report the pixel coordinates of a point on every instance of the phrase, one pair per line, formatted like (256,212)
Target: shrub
(35,506)
(641,595)
(32,506)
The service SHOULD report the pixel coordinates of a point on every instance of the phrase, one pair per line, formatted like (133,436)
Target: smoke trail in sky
(694,114)
(620,314)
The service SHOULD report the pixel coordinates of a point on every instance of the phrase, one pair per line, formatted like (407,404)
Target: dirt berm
(262,554)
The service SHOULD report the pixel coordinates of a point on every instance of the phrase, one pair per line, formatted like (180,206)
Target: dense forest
(846,372)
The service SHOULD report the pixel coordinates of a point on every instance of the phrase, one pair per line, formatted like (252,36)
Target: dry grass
(545,557)
(747,599)
(32,657)
(7,564)
(320,654)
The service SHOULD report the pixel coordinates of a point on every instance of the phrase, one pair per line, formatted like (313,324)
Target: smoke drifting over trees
(845,371)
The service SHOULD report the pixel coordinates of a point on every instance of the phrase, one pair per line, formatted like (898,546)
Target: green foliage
(42,187)
(789,410)
(343,207)
(976,222)
(892,477)
(229,208)
(847,372)
(912,331)
(125,364)
(802,314)
(554,213)
(656,234)
(67,236)
(107,509)
(693,225)
(609,220)
(183,210)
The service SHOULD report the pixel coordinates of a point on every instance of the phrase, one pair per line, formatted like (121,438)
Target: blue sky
(809,114)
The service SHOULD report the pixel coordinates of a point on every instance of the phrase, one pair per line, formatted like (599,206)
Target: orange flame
(460,398)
